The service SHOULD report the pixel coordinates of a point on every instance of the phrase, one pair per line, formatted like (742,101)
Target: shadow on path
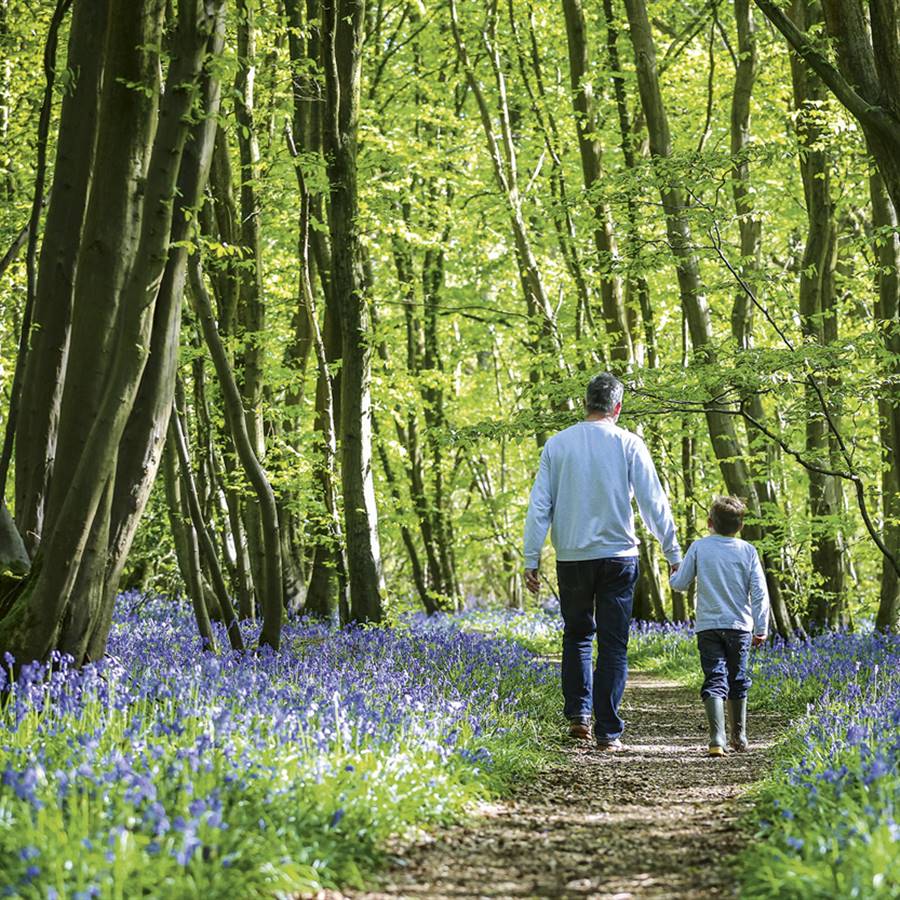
(655,821)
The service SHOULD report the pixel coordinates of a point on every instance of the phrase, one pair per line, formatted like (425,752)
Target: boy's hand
(531,580)
(758,640)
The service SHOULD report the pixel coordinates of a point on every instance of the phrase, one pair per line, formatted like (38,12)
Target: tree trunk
(251,309)
(45,365)
(817,303)
(342,35)
(325,595)
(504,161)
(186,546)
(145,433)
(412,551)
(887,312)
(435,414)
(37,203)
(251,318)
(637,281)
(587,125)
(560,204)
(408,433)
(749,223)
(750,231)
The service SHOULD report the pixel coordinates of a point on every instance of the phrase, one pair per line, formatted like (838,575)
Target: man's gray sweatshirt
(731,584)
(584,485)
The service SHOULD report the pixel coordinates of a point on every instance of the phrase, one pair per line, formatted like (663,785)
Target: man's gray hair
(604,392)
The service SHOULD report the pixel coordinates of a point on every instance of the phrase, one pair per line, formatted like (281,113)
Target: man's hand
(531,580)
(758,640)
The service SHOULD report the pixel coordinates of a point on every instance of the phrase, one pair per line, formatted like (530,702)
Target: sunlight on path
(655,821)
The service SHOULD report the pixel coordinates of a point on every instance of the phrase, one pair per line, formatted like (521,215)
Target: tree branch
(812,381)
(14,249)
(867,113)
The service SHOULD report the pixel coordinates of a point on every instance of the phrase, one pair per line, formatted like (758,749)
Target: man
(586,478)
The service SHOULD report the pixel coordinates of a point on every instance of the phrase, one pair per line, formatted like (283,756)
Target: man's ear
(618,408)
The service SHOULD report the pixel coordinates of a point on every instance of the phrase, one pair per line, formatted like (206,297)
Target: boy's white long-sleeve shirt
(586,479)
(731,584)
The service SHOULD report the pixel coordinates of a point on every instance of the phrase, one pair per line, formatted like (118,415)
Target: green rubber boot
(715,713)
(737,716)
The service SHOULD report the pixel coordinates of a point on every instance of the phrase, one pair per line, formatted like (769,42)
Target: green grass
(669,653)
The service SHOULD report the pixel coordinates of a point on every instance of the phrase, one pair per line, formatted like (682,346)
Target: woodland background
(374,252)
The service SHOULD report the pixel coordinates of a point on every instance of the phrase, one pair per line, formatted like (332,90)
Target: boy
(732,614)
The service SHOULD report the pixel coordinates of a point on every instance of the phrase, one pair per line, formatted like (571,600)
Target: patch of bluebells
(836,799)
(538,630)
(172,749)
(542,628)
(678,630)
(825,665)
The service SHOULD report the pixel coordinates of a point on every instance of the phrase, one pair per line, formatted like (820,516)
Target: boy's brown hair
(727,515)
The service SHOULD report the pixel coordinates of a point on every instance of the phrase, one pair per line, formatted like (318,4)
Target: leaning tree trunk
(637,280)
(342,38)
(66,600)
(750,231)
(200,530)
(272,583)
(187,548)
(142,441)
(504,160)
(530,66)
(33,227)
(720,425)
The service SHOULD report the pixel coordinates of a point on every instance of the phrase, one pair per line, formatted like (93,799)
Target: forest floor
(657,820)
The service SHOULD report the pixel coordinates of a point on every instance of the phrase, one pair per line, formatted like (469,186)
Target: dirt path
(655,821)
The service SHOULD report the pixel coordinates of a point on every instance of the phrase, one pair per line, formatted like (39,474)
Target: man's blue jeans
(724,657)
(595,597)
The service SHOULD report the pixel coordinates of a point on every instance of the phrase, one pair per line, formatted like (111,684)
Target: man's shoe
(715,714)
(580,729)
(613,746)
(737,714)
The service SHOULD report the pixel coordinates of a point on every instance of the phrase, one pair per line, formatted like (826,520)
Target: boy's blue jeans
(724,657)
(595,597)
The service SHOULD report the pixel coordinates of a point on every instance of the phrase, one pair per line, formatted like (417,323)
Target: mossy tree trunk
(112,406)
